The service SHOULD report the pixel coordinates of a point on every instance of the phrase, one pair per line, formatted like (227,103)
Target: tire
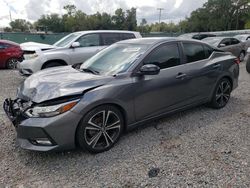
(52,64)
(242,56)
(97,134)
(248,64)
(11,63)
(221,94)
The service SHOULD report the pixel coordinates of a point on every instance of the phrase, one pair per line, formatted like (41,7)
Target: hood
(33,46)
(59,82)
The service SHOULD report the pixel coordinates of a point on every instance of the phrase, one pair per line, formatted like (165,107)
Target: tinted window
(208,51)
(89,40)
(165,56)
(227,42)
(193,52)
(234,41)
(110,38)
(125,36)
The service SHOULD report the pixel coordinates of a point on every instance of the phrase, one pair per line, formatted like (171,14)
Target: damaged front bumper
(42,134)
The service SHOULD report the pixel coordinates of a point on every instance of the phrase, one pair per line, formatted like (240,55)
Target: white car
(73,49)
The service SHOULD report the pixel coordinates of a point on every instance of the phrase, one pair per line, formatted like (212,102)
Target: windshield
(66,40)
(212,41)
(114,59)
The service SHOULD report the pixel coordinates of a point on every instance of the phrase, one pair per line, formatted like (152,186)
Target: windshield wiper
(89,70)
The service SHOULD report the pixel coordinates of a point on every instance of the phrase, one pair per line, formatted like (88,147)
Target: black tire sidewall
(248,64)
(81,128)
(213,102)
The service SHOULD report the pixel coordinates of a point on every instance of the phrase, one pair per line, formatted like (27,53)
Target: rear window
(110,38)
(208,51)
(125,36)
(194,52)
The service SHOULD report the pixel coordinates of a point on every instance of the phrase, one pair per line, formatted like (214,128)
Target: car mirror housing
(149,69)
(75,45)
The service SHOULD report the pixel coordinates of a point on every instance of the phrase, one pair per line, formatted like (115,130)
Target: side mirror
(222,45)
(149,69)
(75,45)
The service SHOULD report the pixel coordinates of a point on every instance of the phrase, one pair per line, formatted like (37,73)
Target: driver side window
(227,42)
(89,40)
(165,56)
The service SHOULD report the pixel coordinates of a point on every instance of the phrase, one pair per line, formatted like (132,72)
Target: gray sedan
(228,44)
(125,85)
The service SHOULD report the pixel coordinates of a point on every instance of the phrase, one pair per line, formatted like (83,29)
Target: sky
(174,10)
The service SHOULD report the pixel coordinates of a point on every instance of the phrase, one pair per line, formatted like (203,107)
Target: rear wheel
(100,129)
(221,94)
(11,63)
(52,64)
(248,64)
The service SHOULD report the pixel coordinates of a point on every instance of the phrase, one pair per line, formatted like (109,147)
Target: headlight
(30,56)
(49,111)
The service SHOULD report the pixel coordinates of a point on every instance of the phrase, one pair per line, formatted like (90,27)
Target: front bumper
(28,67)
(56,133)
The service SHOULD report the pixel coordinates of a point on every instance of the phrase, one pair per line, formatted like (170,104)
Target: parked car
(73,49)
(124,85)
(245,39)
(228,44)
(197,36)
(10,54)
(248,61)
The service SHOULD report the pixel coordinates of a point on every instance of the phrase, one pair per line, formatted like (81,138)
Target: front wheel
(100,129)
(221,94)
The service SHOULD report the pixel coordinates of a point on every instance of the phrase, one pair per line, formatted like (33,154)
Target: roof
(156,40)
(105,31)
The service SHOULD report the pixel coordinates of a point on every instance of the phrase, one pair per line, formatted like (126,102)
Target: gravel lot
(200,147)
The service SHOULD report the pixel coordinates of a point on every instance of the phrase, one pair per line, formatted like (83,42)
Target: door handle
(181,76)
(216,66)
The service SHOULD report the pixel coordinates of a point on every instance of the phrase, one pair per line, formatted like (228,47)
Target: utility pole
(160,9)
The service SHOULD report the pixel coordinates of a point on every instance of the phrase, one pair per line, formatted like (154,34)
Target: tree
(131,22)
(20,25)
(71,9)
(52,22)
(119,19)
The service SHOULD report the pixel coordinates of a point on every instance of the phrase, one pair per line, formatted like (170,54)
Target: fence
(27,37)
(52,38)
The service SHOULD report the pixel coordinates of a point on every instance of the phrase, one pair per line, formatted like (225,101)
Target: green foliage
(214,15)
(20,25)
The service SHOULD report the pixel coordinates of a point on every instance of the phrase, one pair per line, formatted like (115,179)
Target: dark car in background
(197,36)
(228,44)
(10,54)
(125,85)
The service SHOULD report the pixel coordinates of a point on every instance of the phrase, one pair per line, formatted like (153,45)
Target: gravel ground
(200,147)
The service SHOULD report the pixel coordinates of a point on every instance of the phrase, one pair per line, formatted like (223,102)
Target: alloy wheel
(12,63)
(223,93)
(102,130)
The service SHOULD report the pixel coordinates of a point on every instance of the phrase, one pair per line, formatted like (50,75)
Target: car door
(89,46)
(157,94)
(227,45)
(201,70)
(236,47)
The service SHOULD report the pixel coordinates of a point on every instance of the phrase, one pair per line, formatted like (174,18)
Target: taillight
(237,61)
